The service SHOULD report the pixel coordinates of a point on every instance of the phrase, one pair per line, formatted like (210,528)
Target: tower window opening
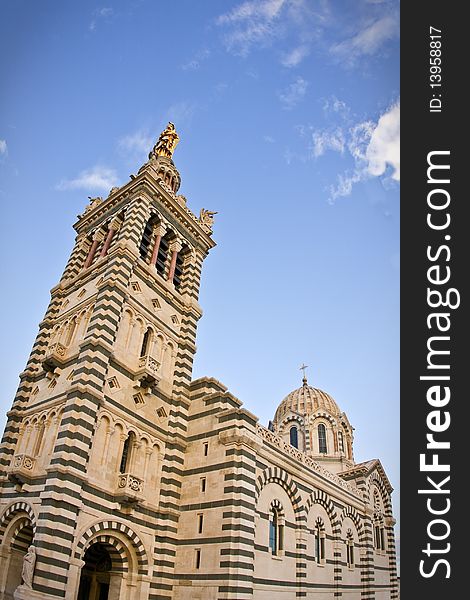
(146,240)
(125,454)
(200,523)
(206,448)
(198,559)
(322,447)
(162,256)
(146,342)
(294,437)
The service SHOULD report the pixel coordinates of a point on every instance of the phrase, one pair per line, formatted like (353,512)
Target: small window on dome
(322,447)
(294,437)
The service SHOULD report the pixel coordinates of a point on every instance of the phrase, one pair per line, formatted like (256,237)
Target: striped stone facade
(131,480)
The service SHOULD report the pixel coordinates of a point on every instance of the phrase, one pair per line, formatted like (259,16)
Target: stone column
(159,231)
(113,228)
(91,254)
(175,248)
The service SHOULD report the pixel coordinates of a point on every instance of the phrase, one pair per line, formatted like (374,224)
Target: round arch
(120,537)
(276,475)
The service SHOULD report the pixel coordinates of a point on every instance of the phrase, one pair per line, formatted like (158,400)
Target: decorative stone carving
(129,488)
(147,371)
(206,218)
(277,441)
(55,356)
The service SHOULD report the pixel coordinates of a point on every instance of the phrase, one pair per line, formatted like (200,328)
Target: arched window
(126,453)
(146,342)
(276,530)
(180,260)
(294,437)
(350,549)
(162,255)
(319,542)
(322,448)
(379,532)
(146,239)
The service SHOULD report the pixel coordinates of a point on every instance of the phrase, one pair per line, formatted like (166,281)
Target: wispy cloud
(375,149)
(327,140)
(196,60)
(135,144)
(295,56)
(96,178)
(180,113)
(293,94)
(334,106)
(368,40)
(98,14)
(269,139)
(3,148)
(252,22)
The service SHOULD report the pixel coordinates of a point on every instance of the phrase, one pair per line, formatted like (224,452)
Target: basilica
(123,478)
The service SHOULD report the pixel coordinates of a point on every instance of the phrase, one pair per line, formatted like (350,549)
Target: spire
(166,143)
(304,379)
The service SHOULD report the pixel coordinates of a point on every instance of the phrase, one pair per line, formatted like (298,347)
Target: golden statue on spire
(166,142)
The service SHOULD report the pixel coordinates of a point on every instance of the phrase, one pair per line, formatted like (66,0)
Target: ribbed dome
(306,400)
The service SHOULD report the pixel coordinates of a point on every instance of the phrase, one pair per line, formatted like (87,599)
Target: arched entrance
(17,545)
(100,576)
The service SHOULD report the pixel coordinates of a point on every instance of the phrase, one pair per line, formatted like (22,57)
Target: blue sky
(288,113)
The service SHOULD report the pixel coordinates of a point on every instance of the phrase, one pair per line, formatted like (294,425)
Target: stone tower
(95,438)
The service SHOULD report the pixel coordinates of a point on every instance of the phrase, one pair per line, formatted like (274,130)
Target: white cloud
(334,106)
(96,178)
(368,40)
(100,13)
(268,139)
(384,147)
(3,147)
(295,56)
(294,93)
(375,147)
(327,140)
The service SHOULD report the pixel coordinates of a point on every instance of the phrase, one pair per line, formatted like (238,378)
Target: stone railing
(148,371)
(55,356)
(21,468)
(277,441)
(129,487)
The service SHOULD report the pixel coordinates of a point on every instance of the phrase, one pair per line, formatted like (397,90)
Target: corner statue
(167,142)
(29,562)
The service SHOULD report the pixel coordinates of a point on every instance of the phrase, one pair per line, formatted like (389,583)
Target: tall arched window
(319,541)
(379,532)
(146,239)
(294,437)
(146,342)
(276,530)
(162,255)
(322,447)
(350,549)
(126,453)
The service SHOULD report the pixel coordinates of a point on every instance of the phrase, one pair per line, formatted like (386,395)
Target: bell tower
(96,430)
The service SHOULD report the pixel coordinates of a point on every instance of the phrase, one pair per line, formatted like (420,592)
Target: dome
(305,401)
